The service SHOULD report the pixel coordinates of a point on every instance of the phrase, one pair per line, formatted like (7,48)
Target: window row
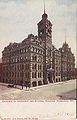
(35,75)
(17,59)
(23,50)
(18,74)
(40,51)
(35,58)
(23,74)
(20,59)
(35,67)
(17,67)
(58,73)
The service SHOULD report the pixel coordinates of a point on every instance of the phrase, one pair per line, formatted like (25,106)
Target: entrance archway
(34,83)
(50,78)
(39,83)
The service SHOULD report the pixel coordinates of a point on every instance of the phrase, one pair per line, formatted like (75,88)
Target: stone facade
(67,63)
(76,73)
(35,52)
(35,61)
(0,70)
(45,33)
(23,62)
(56,60)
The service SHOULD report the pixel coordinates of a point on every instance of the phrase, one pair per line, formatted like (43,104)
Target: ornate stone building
(67,63)
(35,61)
(30,60)
(23,62)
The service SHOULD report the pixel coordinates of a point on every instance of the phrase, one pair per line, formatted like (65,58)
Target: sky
(18,18)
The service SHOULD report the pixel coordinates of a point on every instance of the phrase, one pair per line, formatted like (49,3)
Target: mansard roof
(65,45)
(31,39)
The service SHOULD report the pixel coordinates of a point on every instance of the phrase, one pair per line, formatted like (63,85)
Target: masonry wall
(0,71)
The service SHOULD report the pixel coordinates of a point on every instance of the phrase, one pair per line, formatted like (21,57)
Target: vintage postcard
(38,59)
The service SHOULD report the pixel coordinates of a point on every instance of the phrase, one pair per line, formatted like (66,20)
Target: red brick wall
(0,70)
(76,72)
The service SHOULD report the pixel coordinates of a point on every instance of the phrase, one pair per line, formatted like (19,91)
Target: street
(54,91)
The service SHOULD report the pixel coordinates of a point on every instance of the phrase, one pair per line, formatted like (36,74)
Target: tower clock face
(48,28)
(49,31)
(42,31)
(45,30)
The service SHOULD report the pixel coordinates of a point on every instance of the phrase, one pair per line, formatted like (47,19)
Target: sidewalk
(37,87)
(51,84)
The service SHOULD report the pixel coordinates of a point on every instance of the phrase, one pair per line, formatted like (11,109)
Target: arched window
(35,58)
(35,75)
(35,66)
(38,67)
(32,57)
(28,75)
(32,74)
(38,74)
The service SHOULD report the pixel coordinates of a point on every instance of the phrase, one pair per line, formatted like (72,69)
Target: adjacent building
(0,69)
(76,73)
(67,63)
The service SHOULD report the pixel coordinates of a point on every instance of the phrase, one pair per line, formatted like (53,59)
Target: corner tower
(45,30)
(45,33)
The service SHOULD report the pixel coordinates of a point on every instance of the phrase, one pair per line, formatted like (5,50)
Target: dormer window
(42,31)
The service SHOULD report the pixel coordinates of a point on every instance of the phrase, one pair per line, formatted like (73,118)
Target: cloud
(19,18)
(66,2)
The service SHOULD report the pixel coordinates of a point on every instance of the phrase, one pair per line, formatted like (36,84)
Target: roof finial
(44,6)
(65,36)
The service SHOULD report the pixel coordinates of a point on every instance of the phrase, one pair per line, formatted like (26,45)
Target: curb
(37,87)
